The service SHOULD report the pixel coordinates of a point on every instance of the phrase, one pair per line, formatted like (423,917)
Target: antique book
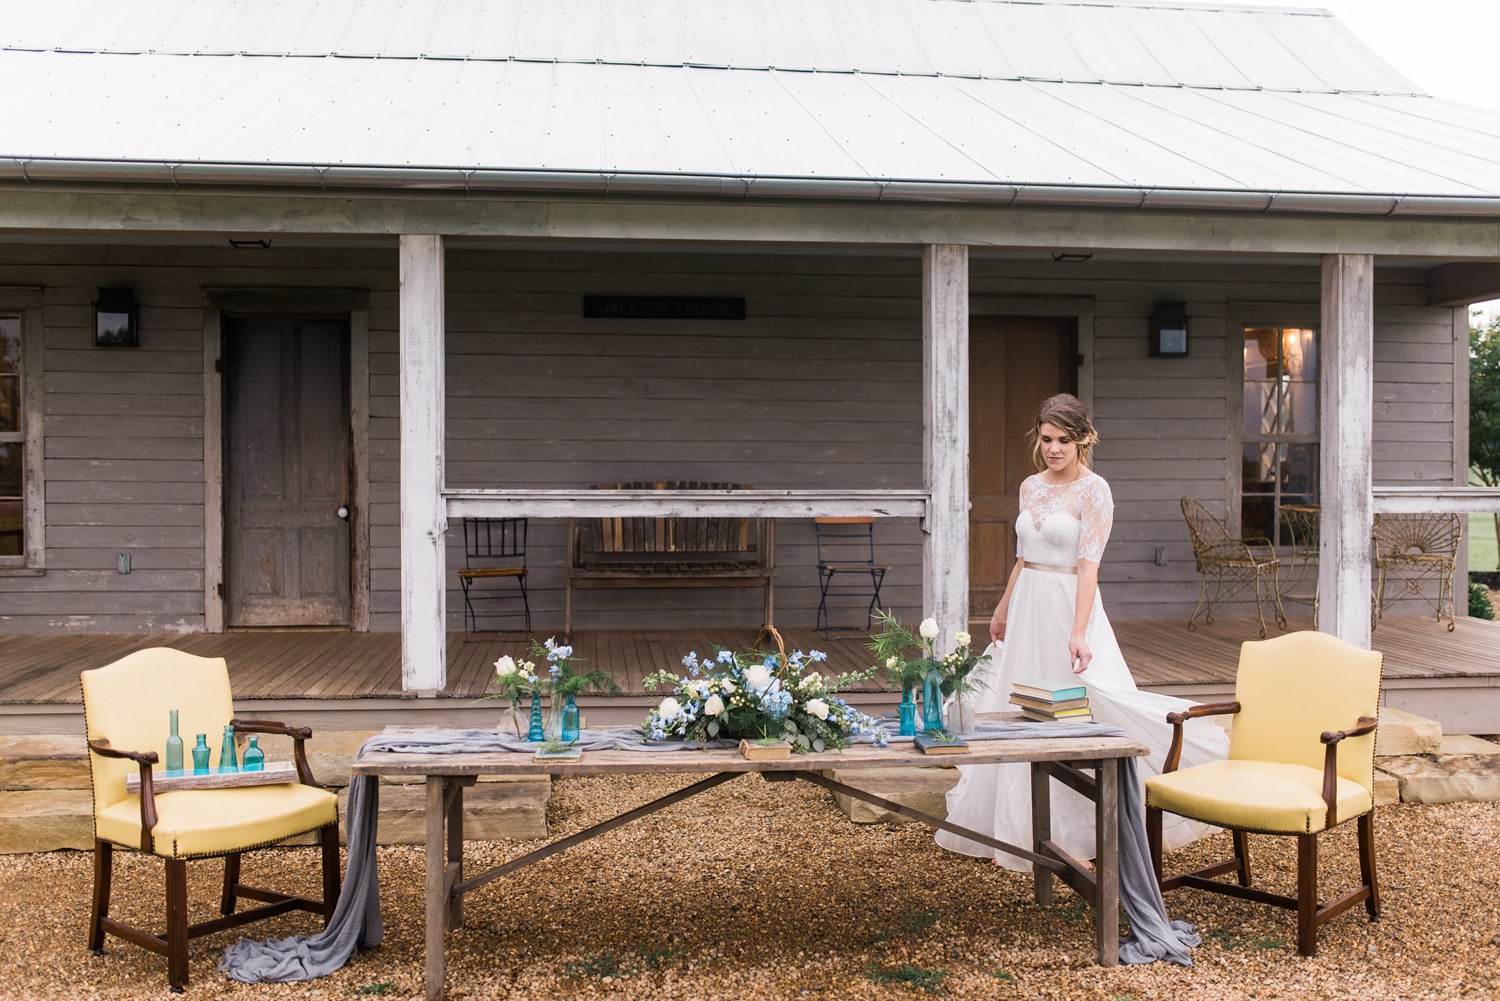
(936,745)
(1050,694)
(1067,716)
(1048,705)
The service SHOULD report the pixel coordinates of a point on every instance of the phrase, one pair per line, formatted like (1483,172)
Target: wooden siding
(819,387)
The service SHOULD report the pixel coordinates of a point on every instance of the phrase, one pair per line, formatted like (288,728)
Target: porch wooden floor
(1450,676)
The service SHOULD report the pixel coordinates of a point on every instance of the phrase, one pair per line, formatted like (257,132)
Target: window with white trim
(1279,435)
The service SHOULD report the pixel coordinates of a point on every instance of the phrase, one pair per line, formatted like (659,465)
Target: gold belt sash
(1049,568)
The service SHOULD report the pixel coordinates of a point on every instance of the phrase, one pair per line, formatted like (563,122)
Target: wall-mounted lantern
(116,319)
(1169,330)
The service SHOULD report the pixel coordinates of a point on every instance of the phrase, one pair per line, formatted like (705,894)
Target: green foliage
(908,658)
(907,975)
(1484,402)
(384,987)
(1479,602)
(909,923)
(1003,975)
(598,964)
(607,964)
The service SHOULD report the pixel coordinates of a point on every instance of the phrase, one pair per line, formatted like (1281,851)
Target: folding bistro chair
(494,549)
(847,546)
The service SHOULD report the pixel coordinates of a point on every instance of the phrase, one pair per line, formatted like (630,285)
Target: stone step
(921,789)
(44,820)
(1406,733)
(1448,778)
(44,762)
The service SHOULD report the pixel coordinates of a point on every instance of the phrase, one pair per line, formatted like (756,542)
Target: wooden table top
(713,760)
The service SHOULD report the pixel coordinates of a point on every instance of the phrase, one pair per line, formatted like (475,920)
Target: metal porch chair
(847,546)
(1413,549)
(1231,565)
(494,549)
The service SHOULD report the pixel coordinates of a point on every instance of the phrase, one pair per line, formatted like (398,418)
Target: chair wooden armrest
(1330,761)
(1174,753)
(145,759)
(299,735)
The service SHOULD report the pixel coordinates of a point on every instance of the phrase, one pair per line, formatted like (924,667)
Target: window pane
(1299,474)
(1299,402)
(1258,468)
(10,403)
(1257,515)
(12,534)
(1261,354)
(1300,354)
(1261,407)
(10,471)
(10,345)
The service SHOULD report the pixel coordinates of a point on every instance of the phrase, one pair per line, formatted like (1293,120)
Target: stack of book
(1039,702)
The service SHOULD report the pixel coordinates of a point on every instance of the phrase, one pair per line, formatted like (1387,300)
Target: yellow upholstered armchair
(126,706)
(1301,761)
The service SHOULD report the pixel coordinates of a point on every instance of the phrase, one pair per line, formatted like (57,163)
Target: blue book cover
(928,744)
(1050,694)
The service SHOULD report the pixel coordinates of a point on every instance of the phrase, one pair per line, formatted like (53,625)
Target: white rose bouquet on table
(731,696)
(909,657)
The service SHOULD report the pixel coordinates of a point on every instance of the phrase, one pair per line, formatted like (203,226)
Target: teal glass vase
(932,703)
(255,758)
(535,734)
(569,731)
(228,757)
(174,745)
(908,711)
(200,755)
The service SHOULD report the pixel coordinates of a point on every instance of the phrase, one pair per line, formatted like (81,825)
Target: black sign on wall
(664,307)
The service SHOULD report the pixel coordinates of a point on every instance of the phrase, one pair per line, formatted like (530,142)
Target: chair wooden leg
(1153,840)
(1367,864)
(177,925)
(104,857)
(1242,853)
(328,837)
(1307,894)
(231,879)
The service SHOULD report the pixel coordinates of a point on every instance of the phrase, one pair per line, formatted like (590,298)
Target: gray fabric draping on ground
(356,920)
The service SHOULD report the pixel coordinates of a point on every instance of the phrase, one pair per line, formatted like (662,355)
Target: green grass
(910,923)
(907,975)
(1483,553)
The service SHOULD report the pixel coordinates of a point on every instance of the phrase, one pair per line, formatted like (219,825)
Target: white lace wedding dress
(1058,526)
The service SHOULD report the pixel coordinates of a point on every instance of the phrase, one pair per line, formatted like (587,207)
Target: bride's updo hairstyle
(1065,411)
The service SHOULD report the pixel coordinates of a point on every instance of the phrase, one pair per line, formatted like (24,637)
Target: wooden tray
(274,774)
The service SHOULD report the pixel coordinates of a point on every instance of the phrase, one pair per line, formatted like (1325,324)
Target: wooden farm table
(1067,759)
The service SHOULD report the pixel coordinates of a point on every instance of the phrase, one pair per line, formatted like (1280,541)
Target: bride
(1050,630)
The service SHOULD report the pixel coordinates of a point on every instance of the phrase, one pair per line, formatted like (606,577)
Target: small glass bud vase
(200,755)
(570,727)
(932,703)
(174,746)
(228,756)
(555,717)
(255,758)
(908,711)
(536,735)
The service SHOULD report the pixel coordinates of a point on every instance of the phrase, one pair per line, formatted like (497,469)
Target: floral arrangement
(516,680)
(908,658)
(758,696)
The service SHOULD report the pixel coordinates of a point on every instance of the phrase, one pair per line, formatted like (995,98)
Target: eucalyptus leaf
(818,744)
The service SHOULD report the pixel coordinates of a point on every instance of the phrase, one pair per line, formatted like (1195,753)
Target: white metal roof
(1058,94)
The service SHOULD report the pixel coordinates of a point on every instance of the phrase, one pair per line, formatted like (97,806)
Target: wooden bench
(632,552)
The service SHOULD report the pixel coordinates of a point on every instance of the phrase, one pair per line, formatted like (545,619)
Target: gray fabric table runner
(356,920)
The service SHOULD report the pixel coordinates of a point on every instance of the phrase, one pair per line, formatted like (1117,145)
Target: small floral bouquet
(769,698)
(563,679)
(909,658)
(518,680)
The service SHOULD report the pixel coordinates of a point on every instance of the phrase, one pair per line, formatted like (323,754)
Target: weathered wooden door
(1015,362)
(286,472)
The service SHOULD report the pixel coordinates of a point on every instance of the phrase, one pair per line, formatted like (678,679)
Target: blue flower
(817,656)
(691,660)
(726,657)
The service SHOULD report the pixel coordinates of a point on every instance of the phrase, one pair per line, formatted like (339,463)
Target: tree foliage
(1484,405)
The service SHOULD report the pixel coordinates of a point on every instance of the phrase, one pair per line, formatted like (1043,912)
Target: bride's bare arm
(997,621)
(1079,653)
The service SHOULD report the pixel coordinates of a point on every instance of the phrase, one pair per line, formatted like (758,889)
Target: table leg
(455,869)
(1041,829)
(1107,861)
(437,904)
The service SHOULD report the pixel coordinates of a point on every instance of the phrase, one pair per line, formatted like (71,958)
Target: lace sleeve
(1027,496)
(1097,512)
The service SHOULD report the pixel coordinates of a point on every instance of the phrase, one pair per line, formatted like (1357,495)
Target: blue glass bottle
(569,721)
(932,702)
(536,734)
(228,758)
(255,758)
(200,755)
(174,746)
(908,710)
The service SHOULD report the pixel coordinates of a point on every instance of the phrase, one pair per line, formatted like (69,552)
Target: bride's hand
(1079,653)
(997,626)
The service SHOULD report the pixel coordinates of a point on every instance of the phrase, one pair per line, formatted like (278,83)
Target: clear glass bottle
(200,755)
(228,757)
(255,758)
(174,746)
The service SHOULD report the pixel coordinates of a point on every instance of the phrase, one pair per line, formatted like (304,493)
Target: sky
(1445,47)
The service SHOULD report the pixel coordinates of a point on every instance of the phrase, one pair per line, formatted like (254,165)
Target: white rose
(727,686)
(505,666)
(817,707)
(962,639)
(757,676)
(714,706)
(928,629)
(670,708)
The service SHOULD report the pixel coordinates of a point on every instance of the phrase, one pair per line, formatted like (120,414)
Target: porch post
(1346,495)
(424,655)
(945,444)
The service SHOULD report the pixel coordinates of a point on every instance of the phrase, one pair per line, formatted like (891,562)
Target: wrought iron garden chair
(1412,549)
(1298,579)
(847,546)
(494,549)
(1231,566)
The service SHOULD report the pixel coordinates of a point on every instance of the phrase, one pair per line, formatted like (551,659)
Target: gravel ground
(758,891)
